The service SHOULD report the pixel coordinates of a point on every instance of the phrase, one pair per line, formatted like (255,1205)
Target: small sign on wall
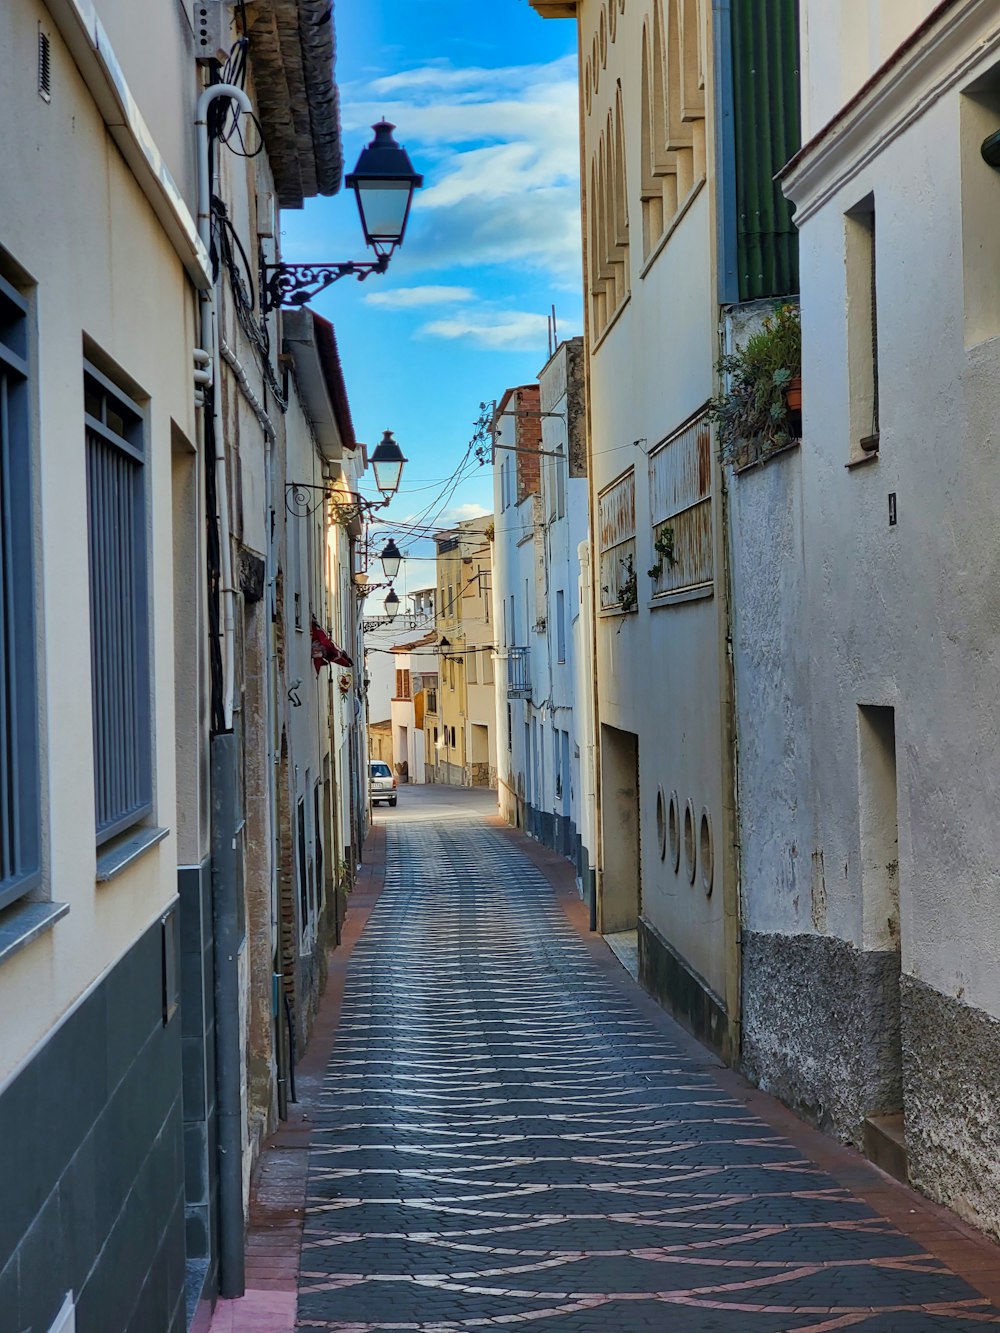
(892,509)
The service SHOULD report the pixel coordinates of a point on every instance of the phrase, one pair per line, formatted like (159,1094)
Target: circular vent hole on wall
(674,830)
(705,853)
(690,851)
(661,823)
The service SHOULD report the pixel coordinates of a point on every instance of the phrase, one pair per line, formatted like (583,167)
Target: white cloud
(499,148)
(509,330)
(459,513)
(410,298)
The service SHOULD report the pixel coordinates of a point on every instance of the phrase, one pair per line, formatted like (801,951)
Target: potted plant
(760,410)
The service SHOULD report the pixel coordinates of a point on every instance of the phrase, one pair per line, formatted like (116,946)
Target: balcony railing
(518,673)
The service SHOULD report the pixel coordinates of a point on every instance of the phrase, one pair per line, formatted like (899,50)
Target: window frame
(19,682)
(131,443)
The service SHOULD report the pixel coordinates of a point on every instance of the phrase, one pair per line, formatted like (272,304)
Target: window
(862,329)
(472,674)
(680,493)
(673,114)
(318,844)
(616,532)
(119,606)
(560,626)
(488,667)
(608,254)
(20,839)
(402,684)
(510,730)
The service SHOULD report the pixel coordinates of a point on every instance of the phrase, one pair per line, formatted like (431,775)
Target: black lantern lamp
(387,464)
(391,604)
(390,557)
(383,182)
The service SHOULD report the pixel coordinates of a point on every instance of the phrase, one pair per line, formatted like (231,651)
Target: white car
(381,781)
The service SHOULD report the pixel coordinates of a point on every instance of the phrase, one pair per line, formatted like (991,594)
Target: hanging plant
(760,410)
(628,589)
(664,548)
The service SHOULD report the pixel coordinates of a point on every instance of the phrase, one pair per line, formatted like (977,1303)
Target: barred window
(119,606)
(20,839)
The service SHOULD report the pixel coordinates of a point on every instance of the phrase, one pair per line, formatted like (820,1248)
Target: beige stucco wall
(661,670)
(97,268)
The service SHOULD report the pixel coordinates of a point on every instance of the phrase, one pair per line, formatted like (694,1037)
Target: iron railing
(518,673)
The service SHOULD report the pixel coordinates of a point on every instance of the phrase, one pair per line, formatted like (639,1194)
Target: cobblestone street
(506,1137)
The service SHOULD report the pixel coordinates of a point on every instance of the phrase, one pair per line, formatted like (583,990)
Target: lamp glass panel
(387,475)
(383,207)
(390,565)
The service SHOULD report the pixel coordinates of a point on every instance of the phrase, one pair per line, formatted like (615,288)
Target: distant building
(544,696)
(460,744)
(416,685)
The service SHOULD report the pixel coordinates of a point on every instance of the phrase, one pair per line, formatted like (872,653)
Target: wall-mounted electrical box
(212,30)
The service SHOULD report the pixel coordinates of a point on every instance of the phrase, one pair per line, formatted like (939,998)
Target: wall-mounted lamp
(383,183)
(387,464)
(390,557)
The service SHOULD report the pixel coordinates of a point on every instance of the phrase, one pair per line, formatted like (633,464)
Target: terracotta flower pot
(793,394)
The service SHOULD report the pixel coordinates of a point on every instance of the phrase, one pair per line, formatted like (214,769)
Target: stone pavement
(508,1134)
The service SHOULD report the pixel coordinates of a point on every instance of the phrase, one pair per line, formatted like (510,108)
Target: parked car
(381,782)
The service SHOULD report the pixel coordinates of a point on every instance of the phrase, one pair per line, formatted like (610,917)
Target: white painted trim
(66,1318)
(91,48)
(946,57)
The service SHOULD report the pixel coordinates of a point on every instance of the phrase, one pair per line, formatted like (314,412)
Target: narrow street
(509,1135)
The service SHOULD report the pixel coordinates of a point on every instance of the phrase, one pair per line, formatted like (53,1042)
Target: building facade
(459,743)
(145,826)
(543,718)
(415,691)
(868,917)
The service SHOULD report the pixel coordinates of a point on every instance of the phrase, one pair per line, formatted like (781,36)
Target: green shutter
(765,45)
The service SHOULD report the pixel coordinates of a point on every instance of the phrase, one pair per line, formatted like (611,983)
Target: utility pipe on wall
(210,341)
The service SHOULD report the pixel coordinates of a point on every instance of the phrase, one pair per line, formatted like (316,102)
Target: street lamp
(383,183)
(391,604)
(390,557)
(387,464)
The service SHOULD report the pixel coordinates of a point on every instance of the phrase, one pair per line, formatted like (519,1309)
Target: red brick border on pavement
(967,1252)
(278,1190)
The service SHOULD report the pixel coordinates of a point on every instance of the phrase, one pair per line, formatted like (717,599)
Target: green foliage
(664,548)
(628,591)
(752,417)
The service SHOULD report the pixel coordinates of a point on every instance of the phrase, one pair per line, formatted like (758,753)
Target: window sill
(683,595)
(766,458)
(861,460)
(672,226)
(615,316)
(22,922)
(116,858)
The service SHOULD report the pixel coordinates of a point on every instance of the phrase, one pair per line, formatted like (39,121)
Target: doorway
(878,826)
(621,892)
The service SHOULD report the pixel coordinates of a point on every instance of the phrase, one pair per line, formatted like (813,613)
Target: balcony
(518,673)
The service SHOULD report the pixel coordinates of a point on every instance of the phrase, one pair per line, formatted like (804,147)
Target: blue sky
(484,98)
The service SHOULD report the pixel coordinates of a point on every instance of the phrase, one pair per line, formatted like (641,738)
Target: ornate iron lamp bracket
(294,284)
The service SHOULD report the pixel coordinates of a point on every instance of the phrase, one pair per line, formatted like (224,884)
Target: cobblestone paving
(505,1141)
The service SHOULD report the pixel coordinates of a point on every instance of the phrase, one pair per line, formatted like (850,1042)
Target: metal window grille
(119,606)
(616,534)
(20,840)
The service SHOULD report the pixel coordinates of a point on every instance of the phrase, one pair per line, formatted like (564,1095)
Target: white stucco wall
(908,616)
(661,670)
